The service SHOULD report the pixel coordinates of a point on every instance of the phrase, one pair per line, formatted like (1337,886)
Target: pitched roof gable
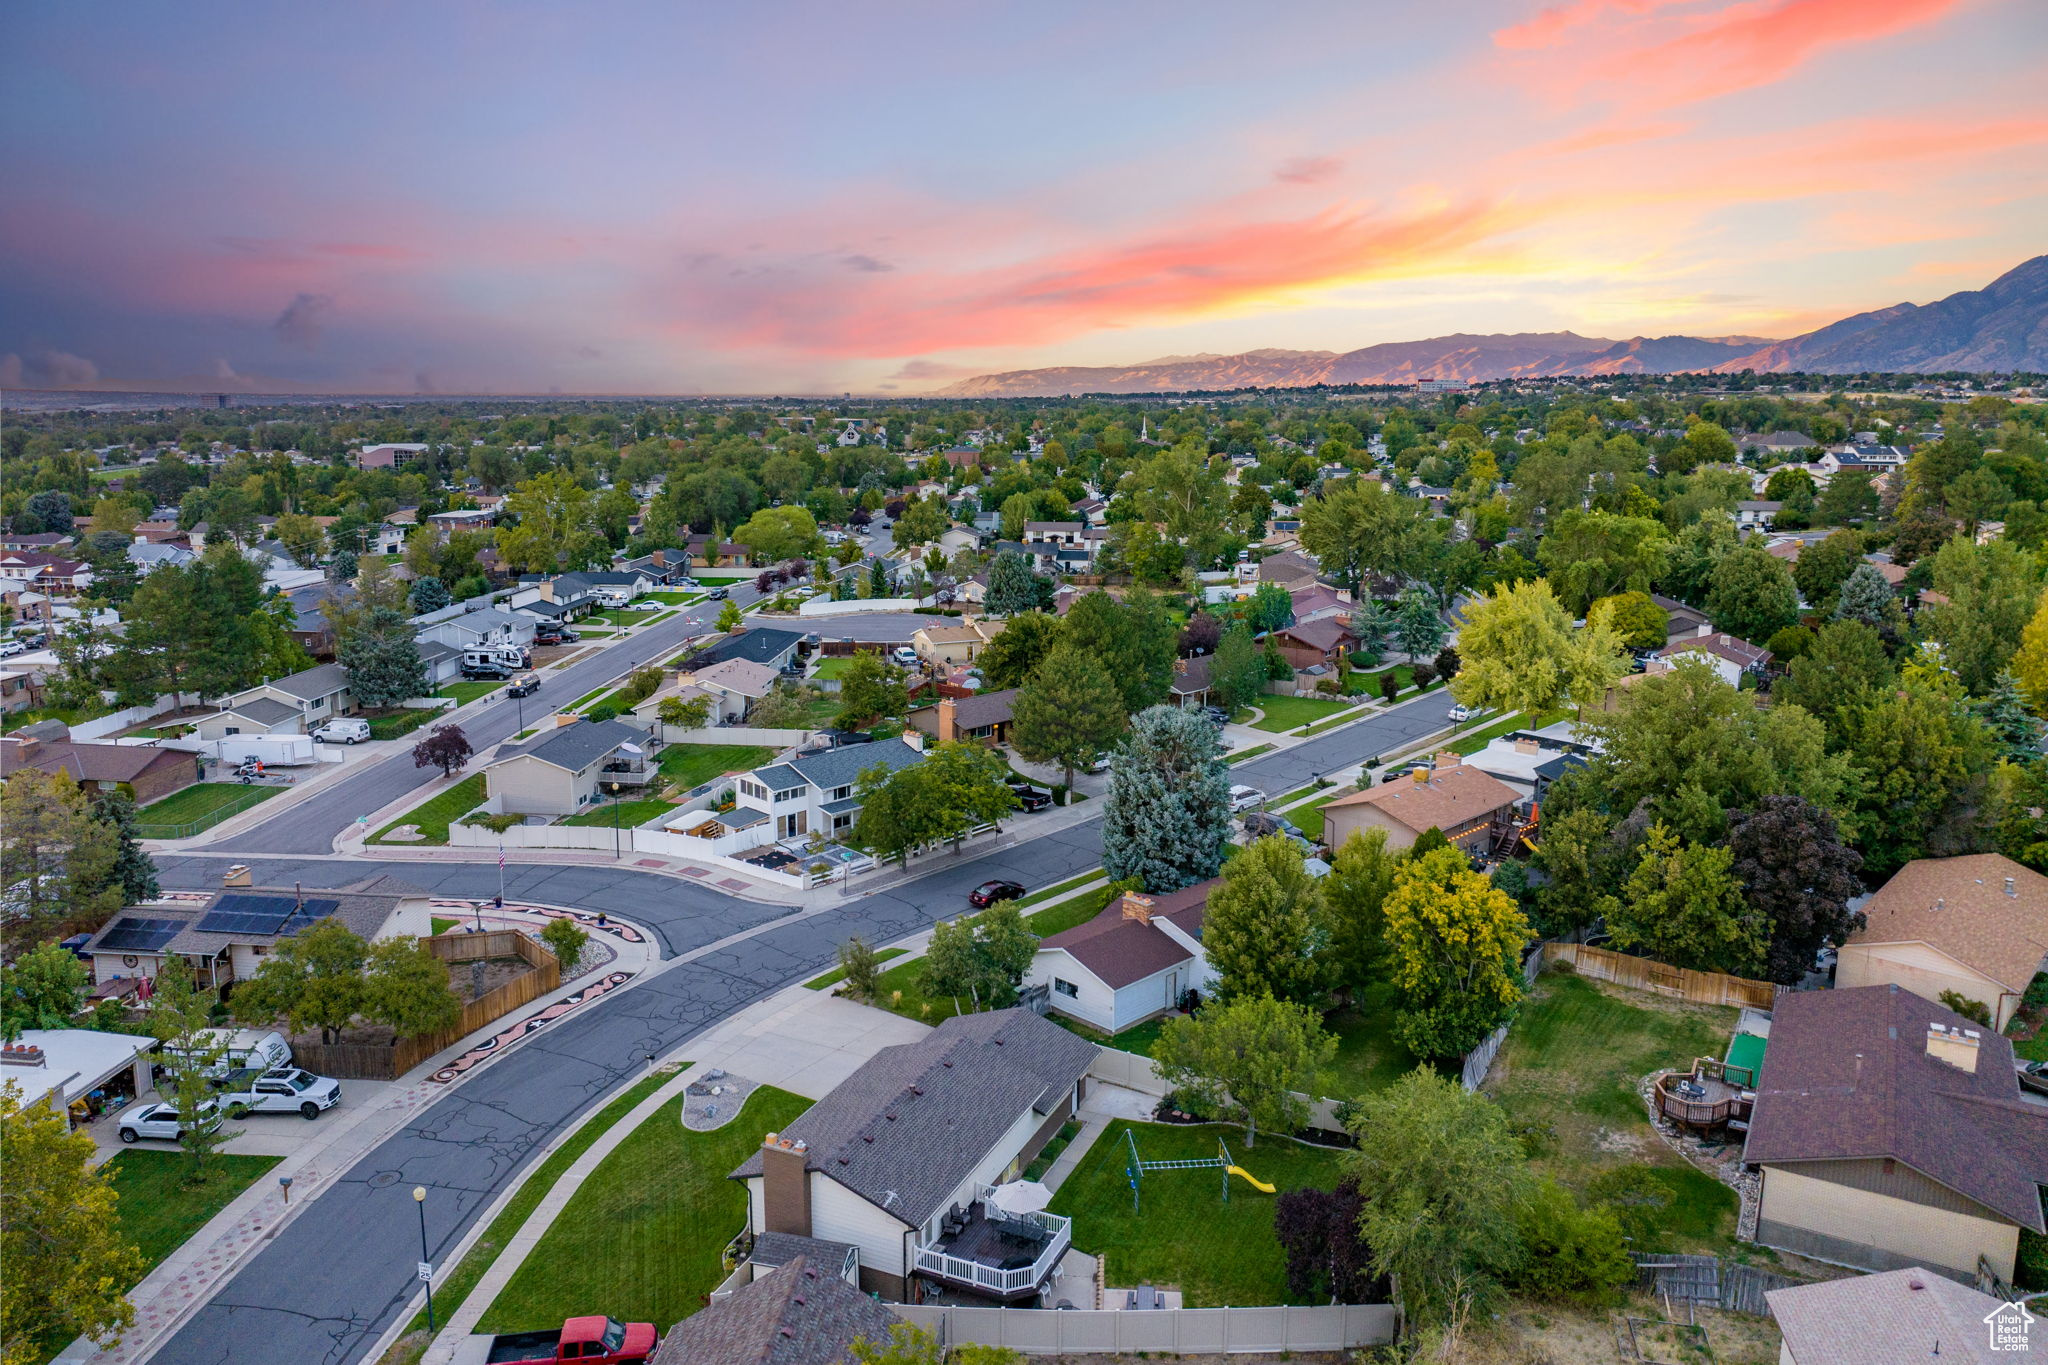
(1960,906)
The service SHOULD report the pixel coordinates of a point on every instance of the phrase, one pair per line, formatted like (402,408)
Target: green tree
(1455,944)
(383,661)
(730,617)
(1357,527)
(860,970)
(429,594)
(1447,1175)
(1683,906)
(68,1263)
(1923,755)
(1237,671)
(693,714)
(42,989)
(1012,586)
(406,987)
(1704,443)
(314,979)
(133,871)
(1015,653)
(1640,622)
(2030,660)
(1418,629)
(1582,858)
(1822,568)
(1797,875)
(1589,555)
(1167,816)
(566,939)
(1270,608)
(1135,641)
(1069,713)
(1519,652)
(2015,735)
(922,522)
(1354,910)
(1248,1060)
(1990,591)
(1263,930)
(870,689)
(1753,596)
(1184,494)
(550,525)
(1848,500)
(1569,1252)
(58,864)
(180,1018)
(276,653)
(778,533)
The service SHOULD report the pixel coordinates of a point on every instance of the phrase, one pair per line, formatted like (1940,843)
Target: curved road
(326,1287)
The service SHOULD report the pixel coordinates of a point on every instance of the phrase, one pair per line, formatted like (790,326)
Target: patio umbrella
(1020,1196)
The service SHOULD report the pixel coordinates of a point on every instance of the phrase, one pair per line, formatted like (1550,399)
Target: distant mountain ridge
(2003,326)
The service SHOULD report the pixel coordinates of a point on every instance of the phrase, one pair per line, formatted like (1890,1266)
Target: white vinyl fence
(1180,1331)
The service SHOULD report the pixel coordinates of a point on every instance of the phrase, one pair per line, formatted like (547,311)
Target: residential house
(1317,603)
(1782,444)
(296,704)
(803,1308)
(608,588)
(1134,960)
(1530,760)
(775,648)
(46,542)
(985,716)
(733,685)
(463,625)
(442,662)
(659,567)
(389,455)
(1680,620)
(141,772)
(54,575)
(1976,925)
(1470,808)
(1291,569)
(558,772)
(1890,1133)
(1896,1317)
(1320,642)
(1756,514)
(462,519)
(224,935)
(814,793)
(21,689)
(310,628)
(148,556)
(1191,682)
(898,1160)
(946,647)
(1728,656)
(962,457)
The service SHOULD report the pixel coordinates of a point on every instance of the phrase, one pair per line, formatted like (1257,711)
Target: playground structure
(1136,1167)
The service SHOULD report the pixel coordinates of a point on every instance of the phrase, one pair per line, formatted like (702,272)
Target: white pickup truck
(280,1090)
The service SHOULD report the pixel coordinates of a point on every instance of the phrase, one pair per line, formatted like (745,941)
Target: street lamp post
(419,1197)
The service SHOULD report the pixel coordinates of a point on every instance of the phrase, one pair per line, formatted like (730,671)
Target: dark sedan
(988,893)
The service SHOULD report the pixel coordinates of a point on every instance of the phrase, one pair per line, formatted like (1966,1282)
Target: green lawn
(1309,818)
(1479,739)
(692,765)
(837,975)
(70,715)
(455,1284)
(1184,1235)
(2034,1049)
(437,812)
(587,697)
(1367,1057)
(1288,713)
(205,803)
(641,1238)
(629,814)
(676,598)
(1062,888)
(468,690)
(1368,684)
(1569,1073)
(1138,1038)
(402,722)
(1242,754)
(835,667)
(439,925)
(1068,913)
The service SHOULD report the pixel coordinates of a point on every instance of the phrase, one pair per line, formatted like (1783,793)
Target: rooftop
(1121,945)
(1448,798)
(1899,1317)
(801,1313)
(573,747)
(1983,909)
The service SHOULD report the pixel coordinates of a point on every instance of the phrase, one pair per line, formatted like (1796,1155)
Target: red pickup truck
(593,1340)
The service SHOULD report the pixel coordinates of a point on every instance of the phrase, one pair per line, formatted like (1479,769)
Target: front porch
(1004,1256)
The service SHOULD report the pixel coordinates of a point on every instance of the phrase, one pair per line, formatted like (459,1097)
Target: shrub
(601,712)
(1364,659)
(1974,1010)
(566,939)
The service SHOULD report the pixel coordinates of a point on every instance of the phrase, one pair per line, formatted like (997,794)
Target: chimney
(785,1185)
(1137,907)
(1526,745)
(1706,629)
(1955,1046)
(914,738)
(1421,775)
(947,709)
(1447,760)
(238,875)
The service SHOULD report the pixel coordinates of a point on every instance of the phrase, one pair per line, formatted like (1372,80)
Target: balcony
(1002,1255)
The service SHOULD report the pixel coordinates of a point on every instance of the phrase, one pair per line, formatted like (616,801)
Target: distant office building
(390,455)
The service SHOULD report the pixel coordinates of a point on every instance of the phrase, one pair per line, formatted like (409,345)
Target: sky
(880,198)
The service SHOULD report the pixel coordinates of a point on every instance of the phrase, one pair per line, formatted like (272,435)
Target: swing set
(1136,1166)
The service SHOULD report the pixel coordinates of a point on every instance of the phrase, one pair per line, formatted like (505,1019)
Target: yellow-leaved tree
(1454,942)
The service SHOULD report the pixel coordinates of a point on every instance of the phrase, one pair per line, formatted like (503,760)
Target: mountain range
(2002,327)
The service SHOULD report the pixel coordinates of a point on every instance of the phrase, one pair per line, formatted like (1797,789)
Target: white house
(1133,961)
(814,793)
(463,629)
(558,772)
(733,685)
(899,1160)
(296,704)
(1728,656)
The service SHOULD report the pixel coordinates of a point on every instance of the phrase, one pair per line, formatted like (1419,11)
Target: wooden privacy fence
(1708,1279)
(376,1062)
(1677,983)
(1180,1331)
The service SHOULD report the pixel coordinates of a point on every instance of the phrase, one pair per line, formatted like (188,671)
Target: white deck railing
(965,1270)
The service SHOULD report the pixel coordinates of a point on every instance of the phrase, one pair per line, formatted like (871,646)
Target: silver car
(162,1123)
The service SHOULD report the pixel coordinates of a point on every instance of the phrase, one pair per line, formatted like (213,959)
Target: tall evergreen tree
(1866,596)
(1069,713)
(1167,816)
(383,661)
(133,870)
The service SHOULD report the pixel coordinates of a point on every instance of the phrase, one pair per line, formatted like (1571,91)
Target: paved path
(327,1285)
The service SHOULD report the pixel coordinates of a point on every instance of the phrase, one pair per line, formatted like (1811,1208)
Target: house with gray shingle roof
(559,771)
(817,793)
(296,704)
(899,1159)
(799,1312)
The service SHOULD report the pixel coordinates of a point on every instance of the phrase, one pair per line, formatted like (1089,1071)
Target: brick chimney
(1526,745)
(1137,907)
(948,708)
(661,559)
(1956,1046)
(238,875)
(785,1185)
(1447,760)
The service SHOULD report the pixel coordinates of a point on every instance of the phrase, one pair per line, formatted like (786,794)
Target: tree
(566,939)
(1822,568)
(1069,713)
(1990,591)
(870,689)
(2015,735)
(343,565)
(956,786)
(1270,608)
(314,979)
(1246,1060)
(1753,596)
(1017,651)
(730,617)
(1263,930)
(1922,755)
(133,870)
(383,661)
(1455,944)
(180,1018)
(1356,527)
(1167,815)
(2030,660)
(1843,666)
(275,653)
(912,1345)
(1012,586)
(1589,555)
(429,594)
(1354,910)
(1371,624)
(1569,1252)
(49,509)
(1446,1173)
(42,989)
(1327,1256)
(778,533)
(68,1262)
(1518,652)
(1135,641)
(923,521)
(786,707)
(406,987)
(693,714)
(550,525)
(860,969)
(1683,906)
(445,747)
(1640,622)
(1418,629)
(1237,672)
(1797,875)
(57,863)
(1867,597)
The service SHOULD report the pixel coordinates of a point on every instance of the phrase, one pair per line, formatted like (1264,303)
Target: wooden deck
(1711,1095)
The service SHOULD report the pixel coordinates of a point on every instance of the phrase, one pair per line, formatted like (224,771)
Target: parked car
(10,647)
(485,672)
(524,686)
(1217,714)
(1260,823)
(905,655)
(280,1090)
(594,1340)
(36,641)
(718,594)
(1243,798)
(558,636)
(1462,713)
(346,730)
(2033,1076)
(648,606)
(1031,798)
(988,893)
(161,1123)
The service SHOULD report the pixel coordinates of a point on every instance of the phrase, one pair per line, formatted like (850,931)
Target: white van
(258,1048)
(346,730)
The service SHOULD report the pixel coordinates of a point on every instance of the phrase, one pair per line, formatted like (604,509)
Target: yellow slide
(1261,1186)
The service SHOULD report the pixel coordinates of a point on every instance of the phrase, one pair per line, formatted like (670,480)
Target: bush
(1425,675)
(1362,659)
(1328,686)
(1573,1253)
(604,710)
(497,824)
(1973,1010)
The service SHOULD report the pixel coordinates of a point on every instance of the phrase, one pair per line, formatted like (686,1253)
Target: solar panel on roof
(133,935)
(263,915)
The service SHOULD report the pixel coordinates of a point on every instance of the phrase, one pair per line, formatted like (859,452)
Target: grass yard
(1368,684)
(203,804)
(1138,1038)
(400,722)
(1479,739)
(1309,818)
(1061,888)
(1242,754)
(587,698)
(676,598)
(1184,1235)
(441,925)
(1288,713)
(1569,1072)
(159,1212)
(436,813)
(1367,1057)
(692,765)
(2034,1049)
(644,1234)
(468,690)
(1068,913)
(629,814)
(837,975)
(834,667)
